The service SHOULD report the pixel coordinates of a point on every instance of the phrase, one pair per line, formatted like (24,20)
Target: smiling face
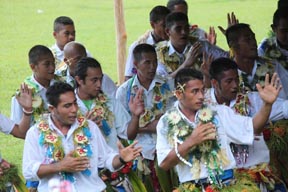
(65,112)
(227,87)
(44,69)
(193,95)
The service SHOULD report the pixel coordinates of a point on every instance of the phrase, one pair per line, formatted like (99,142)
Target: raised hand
(192,55)
(129,153)
(231,20)
(25,97)
(205,66)
(136,103)
(211,36)
(271,89)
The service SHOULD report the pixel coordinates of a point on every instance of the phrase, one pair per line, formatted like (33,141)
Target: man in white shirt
(103,109)
(67,146)
(195,138)
(73,52)
(152,37)
(63,32)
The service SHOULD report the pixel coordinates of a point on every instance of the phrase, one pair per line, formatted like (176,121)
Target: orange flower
(279,131)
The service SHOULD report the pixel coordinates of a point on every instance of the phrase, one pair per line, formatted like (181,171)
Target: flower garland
(264,66)
(37,101)
(173,61)
(53,143)
(208,152)
(272,52)
(103,114)
(161,93)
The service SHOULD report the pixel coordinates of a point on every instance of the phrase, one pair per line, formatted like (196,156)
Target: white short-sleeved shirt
(231,128)
(121,120)
(34,155)
(16,109)
(6,125)
(146,140)
(258,151)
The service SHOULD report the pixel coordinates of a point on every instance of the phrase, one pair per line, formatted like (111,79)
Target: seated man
(196,138)
(156,94)
(253,158)
(42,64)
(73,52)
(152,37)
(276,47)
(67,146)
(182,51)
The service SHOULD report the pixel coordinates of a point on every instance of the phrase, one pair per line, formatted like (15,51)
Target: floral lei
(53,143)
(103,113)
(160,96)
(208,152)
(273,52)
(172,62)
(264,66)
(37,100)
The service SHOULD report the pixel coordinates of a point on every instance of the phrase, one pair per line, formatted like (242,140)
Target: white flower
(262,70)
(205,114)
(174,117)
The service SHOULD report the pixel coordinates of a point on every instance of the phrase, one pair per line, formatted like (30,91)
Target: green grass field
(27,23)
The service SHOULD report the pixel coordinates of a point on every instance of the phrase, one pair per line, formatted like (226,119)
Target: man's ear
(214,83)
(178,93)
(32,67)
(273,27)
(167,31)
(51,108)
(152,24)
(66,60)
(78,80)
(135,64)
(54,34)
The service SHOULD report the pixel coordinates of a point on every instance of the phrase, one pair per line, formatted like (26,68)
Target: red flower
(266,134)
(209,189)
(114,175)
(126,169)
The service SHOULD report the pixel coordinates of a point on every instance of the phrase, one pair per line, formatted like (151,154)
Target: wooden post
(121,39)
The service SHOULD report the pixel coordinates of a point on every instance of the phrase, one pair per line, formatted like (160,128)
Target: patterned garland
(208,152)
(53,143)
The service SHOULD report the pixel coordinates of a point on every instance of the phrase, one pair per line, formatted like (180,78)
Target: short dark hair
(234,32)
(83,65)
(171,4)
(36,52)
(186,74)
(62,20)
(280,13)
(218,66)
(175,17)
(142,48)
(56,90)
(158,13)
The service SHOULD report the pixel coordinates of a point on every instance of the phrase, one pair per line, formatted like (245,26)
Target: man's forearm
(261,118)
(48,169)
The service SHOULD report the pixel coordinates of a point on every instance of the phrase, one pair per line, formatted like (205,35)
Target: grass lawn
(27,23)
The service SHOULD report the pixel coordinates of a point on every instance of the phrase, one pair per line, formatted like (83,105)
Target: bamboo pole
(121,39)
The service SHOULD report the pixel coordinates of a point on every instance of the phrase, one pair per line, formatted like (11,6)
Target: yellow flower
(81,152)
(262,70)
(80,138)
(51,137)
(36,101)
(205,114)
(174,117)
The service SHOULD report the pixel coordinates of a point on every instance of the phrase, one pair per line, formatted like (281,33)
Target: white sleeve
(108,86)
(239,129)
(129,62)
(121,121)
(33,155)
(105,153)
(6,125)
(121,94)
(16,110)
(162,146)
(279,107)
